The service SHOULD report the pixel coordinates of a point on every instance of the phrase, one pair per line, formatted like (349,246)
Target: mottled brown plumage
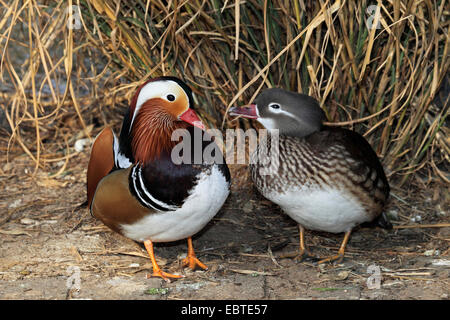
(328,158)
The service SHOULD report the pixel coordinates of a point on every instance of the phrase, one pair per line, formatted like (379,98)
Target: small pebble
(440,212)
(392,214)
(8,166)
(80,144)
(60,163)
(342,275)
(15,203)
(181,256)
(248,207)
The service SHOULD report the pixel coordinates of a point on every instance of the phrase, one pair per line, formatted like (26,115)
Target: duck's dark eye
(170,97)
(274,106)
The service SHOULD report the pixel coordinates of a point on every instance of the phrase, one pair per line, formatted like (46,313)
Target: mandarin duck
(327,178)
(135,188)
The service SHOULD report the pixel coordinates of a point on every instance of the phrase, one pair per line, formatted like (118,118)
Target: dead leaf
(76,254)
(49,183)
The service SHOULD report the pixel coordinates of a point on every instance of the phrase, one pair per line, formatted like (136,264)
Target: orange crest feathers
(152,131)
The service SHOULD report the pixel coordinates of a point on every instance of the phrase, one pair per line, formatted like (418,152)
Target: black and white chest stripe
(121,161)
(143,195)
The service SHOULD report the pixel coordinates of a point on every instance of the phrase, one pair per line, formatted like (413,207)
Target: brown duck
(326,179)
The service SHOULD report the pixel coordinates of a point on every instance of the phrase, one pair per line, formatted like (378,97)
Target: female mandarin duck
(328,179)
(135,188)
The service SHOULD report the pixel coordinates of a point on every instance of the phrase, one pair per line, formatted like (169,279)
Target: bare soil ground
(51,249)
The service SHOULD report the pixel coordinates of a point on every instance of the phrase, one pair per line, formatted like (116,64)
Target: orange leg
(299,255)
(157,272)
(338,258)
(191,260)
(303,251)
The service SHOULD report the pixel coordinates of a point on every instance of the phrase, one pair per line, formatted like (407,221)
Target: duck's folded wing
(114,201)
(101,161)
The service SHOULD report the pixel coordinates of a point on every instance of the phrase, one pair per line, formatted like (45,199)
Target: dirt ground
(51,249)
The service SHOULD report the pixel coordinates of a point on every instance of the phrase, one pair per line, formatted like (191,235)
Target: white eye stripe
(279,110)
(288,114)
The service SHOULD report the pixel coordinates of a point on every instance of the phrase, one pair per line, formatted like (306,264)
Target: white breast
(322,209)
(204,201)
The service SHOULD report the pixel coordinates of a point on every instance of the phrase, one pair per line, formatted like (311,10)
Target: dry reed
(58,77)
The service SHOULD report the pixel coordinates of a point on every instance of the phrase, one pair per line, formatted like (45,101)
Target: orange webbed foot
(157,272)
(304,254)
(164,275)
(191,260)
(340,256)
(337,259)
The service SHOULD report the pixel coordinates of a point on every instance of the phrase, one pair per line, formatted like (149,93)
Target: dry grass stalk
(380,81)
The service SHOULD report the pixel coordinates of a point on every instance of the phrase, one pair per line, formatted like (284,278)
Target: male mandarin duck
(327,179)
(136,189)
